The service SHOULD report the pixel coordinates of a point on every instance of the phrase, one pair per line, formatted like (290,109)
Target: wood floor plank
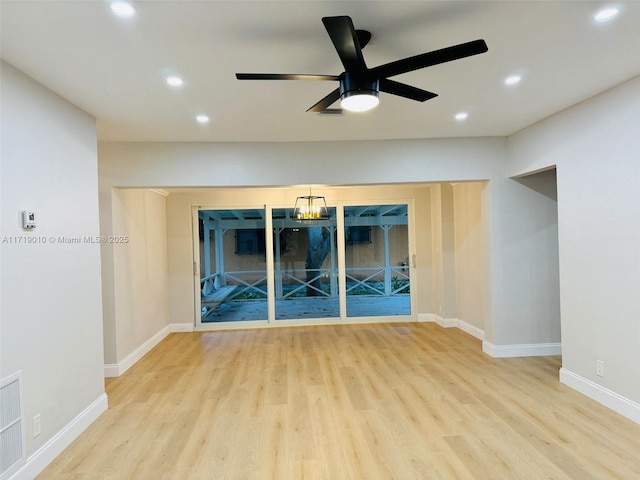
(383,401)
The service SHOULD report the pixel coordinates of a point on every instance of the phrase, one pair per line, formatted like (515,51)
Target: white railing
(363,277)
(290,274)
(249,286)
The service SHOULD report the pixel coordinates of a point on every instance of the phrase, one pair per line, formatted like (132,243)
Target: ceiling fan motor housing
(351,85)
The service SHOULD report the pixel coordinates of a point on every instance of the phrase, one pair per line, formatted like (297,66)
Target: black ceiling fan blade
(284,76)
(406,91)
(345,40)
(436,57)
(326,101)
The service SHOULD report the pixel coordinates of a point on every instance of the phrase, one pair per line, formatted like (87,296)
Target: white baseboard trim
(522,350)
(448,322)
(470,329)
(48,452)
(181,327)
(496,351)
(452,322)
(434,317)
(617,403)
(111,370)
(117,369)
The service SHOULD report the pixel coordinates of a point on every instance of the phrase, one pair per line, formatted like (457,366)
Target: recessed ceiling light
(175,81)
(202,119)
(512,80)
(461,116)
(606,14)
(123,9)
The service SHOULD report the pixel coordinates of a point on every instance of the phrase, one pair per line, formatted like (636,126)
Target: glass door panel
(305,267)
(233,278)
(377,260)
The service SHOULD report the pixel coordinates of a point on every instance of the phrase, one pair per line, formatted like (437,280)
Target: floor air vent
(11,424)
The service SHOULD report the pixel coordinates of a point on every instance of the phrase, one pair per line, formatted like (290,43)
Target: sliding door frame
(271,321)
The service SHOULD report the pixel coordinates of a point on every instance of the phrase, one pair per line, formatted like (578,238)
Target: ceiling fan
(359,85)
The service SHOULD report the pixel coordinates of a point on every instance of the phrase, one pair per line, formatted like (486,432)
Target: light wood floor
(385,401)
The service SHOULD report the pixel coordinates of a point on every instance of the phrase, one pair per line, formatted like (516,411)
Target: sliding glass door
(306,269)
(233,274)
(378,281)
(260,265)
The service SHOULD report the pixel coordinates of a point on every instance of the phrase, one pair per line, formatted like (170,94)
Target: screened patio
(306,278)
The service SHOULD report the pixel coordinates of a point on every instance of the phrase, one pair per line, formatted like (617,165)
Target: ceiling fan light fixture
(358,95)
(359,101)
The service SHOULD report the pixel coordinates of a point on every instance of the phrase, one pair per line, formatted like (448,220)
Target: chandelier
(310,208)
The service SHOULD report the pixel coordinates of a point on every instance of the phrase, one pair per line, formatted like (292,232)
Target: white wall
(449,296)
(524,233)
(540,215)
(140,268)
(435,193)
(51,313)
(469,253)
(519,220)
(166,164)
(443,253)
(596,148)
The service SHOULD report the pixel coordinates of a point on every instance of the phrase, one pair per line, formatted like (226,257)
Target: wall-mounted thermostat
(28,220)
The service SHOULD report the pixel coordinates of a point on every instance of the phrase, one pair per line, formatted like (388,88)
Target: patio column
(333,276)
(277,270)
(219,245)
(207,245)
(387,265)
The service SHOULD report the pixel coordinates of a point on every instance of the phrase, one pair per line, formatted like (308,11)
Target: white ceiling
(115,68)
